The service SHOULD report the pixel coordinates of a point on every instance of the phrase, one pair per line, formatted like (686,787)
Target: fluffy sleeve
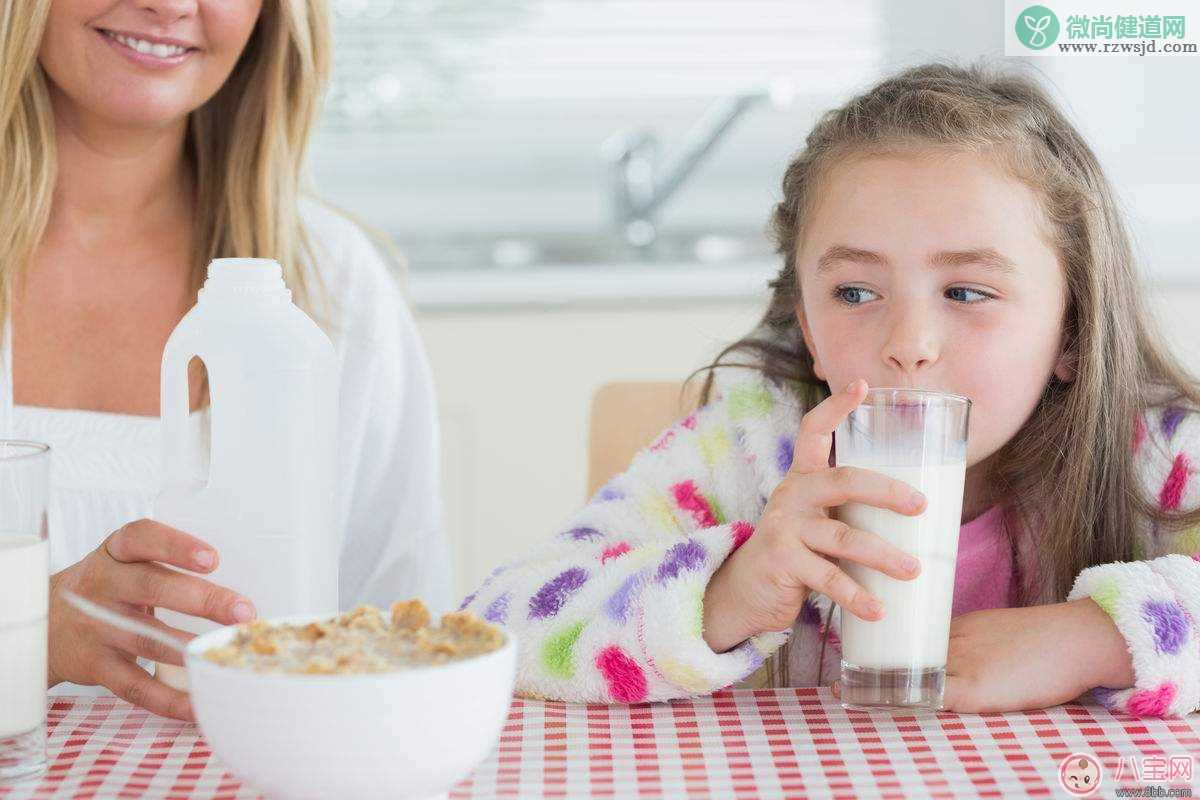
(610,609)
(1155,603)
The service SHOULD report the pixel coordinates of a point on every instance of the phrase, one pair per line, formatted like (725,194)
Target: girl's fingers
(834,538)
(147,540)
(154,585)
(950,694)
(836,688)
(837,485)
(815,439)
(134,685)
(826,577)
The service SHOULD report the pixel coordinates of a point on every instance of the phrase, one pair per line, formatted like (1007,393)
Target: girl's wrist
(1103,651)
(721,629)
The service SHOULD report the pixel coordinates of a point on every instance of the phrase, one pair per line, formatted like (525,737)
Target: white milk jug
(267,502)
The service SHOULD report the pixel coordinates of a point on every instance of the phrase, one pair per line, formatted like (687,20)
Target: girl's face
(143,63)
(934,272)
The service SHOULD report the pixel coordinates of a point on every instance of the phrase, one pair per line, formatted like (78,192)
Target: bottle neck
(245,281)
(278,297)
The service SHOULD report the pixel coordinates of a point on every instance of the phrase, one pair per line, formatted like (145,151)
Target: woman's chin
(147,110)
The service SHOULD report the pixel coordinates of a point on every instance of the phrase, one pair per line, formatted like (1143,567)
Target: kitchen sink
(520,252)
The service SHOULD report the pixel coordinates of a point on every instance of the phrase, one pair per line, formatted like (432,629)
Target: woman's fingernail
(243,611)
(874,608)
(916,499)
(850,386)
(910,565)
(205,558)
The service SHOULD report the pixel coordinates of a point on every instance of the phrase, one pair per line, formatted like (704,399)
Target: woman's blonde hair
(1066,479)
(247,145)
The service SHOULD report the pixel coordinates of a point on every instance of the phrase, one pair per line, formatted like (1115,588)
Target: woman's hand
(1014,659)
(763,584)
(122,574)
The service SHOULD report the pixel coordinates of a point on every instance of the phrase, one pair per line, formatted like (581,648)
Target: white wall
(514,390)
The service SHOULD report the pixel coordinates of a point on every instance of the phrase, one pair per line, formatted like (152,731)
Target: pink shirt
(983,577)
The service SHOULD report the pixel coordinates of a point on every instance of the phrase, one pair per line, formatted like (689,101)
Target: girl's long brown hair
(1066,479)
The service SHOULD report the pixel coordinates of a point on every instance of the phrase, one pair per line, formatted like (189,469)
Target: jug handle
(175,401)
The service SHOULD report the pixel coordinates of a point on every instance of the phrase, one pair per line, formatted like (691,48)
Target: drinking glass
(24,602)
(919,437)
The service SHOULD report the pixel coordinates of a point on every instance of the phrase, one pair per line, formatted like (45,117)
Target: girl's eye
(856,295)
(959,292)
(850,295)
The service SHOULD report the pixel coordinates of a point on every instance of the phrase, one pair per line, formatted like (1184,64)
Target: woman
(138,140)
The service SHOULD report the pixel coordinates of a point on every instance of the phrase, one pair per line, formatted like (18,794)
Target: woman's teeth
(148,48)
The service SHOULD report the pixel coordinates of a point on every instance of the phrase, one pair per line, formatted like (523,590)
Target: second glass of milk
(919,437)
(24,602)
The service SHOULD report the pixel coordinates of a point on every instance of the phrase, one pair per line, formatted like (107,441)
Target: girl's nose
(912,344)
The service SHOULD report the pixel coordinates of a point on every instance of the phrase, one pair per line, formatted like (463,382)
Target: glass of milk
(919,437)
(24,599)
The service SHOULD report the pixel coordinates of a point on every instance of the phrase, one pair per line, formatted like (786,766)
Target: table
(746,743)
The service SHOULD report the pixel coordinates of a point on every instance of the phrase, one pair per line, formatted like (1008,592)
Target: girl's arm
(1155,604)
(610,608)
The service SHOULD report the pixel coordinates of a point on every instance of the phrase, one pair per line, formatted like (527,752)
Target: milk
(24,600)
(915,629)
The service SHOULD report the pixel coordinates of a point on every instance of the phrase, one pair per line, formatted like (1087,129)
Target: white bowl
(404,734)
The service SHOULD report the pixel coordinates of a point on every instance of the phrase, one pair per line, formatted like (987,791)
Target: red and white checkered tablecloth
(760,743)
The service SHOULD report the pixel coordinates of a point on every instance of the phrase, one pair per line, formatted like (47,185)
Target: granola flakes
(359,641)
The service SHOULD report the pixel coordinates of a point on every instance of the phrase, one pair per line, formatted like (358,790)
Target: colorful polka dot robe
(611,608)
(1156,603)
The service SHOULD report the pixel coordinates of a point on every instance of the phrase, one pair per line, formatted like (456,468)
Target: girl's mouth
(153,53)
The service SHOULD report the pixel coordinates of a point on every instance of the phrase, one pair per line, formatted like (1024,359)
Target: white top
(105,467)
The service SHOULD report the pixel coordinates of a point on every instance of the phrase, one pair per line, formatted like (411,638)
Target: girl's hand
(1013,659)
(763,584)
(122,574)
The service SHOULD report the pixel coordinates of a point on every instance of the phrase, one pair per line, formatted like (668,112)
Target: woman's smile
(141,64)
(152,52)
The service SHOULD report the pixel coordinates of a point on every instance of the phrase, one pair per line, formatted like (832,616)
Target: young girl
(947,230)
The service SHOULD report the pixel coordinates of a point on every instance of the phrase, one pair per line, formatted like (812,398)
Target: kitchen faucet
(642,181)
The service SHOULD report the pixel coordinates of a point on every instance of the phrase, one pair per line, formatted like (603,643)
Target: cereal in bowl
(362,640)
